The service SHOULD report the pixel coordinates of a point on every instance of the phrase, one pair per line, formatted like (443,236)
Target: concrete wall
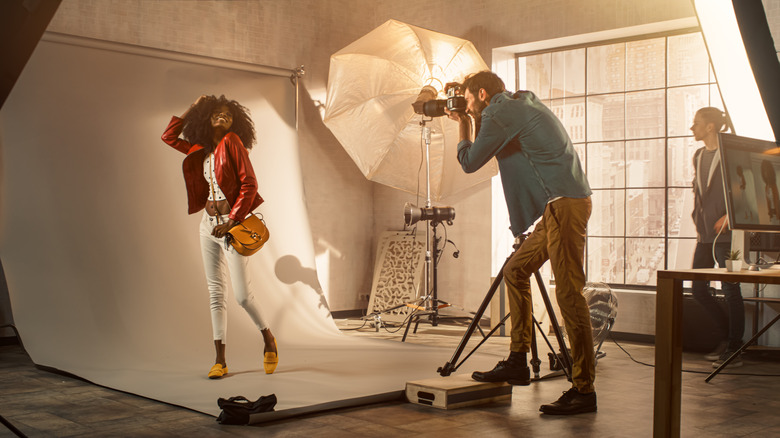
(346,211)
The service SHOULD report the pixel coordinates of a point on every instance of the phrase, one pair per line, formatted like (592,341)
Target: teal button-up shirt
(535,156)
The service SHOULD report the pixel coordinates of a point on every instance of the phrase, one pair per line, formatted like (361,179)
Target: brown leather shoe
(571,402)
(505,372)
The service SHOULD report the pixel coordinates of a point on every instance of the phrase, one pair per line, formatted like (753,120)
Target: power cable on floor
(354,328)
(688,371)
(384,325)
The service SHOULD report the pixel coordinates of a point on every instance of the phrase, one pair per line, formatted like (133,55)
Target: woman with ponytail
(713,240)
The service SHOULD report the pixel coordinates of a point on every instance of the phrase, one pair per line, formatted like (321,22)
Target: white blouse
(215,193)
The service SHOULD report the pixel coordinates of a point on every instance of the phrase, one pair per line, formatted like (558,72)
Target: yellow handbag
(249,236)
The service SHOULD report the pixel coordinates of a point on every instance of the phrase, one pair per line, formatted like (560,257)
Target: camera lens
(434,108)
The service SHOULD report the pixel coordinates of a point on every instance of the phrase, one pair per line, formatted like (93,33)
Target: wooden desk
(668,337)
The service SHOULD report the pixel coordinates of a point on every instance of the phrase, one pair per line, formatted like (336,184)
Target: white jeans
(216,259)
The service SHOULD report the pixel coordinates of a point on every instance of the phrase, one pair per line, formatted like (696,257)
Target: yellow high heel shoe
(270,360)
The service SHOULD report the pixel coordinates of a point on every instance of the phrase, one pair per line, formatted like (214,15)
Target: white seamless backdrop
(114,251)
(103,263)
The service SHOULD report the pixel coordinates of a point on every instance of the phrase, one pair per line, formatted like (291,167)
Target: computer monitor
(751,178)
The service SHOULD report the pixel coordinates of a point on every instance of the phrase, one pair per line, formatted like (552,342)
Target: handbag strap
(214,196)
(258,215)
(212,158)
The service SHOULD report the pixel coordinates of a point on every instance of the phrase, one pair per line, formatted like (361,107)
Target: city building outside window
(628,106)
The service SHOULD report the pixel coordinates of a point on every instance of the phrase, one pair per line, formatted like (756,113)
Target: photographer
(542,177)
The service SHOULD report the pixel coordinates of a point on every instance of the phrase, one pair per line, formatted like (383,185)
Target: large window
(628,106)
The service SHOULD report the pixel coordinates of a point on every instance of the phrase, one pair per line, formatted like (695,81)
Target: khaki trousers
(560,237)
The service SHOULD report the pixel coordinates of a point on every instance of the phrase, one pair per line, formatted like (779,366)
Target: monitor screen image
(751,177)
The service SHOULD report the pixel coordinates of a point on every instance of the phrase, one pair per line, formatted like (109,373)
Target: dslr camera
(428,105)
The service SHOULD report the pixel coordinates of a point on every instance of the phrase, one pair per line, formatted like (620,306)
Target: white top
(215,193)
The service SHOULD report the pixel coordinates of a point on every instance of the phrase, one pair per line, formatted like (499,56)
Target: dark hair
(197,123)
(484,79)
(716,116)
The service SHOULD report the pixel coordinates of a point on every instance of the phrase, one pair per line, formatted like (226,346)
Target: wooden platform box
(456,392)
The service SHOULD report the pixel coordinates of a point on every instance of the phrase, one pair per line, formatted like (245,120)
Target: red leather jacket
(233,171)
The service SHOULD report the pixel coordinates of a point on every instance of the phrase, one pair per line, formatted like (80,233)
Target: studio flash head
(427,104)
(413,214)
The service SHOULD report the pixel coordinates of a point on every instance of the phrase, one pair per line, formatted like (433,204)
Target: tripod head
(519,241)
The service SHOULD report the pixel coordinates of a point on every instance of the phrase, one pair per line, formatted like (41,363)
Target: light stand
(426,304)
(426,135)
(432,301)
(436,216)
(427,105)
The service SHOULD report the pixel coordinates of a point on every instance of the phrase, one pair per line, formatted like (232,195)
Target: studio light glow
(732,68)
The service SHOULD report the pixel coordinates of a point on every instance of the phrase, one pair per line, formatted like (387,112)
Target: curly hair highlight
(197,123)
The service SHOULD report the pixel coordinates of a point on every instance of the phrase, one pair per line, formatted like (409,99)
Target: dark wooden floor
(40,403)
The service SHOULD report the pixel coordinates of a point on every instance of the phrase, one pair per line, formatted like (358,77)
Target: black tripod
(432,304)
(561,360)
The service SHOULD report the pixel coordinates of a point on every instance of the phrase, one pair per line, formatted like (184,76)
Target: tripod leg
(535,361)
(412,317)
(555,359)
(565,357)
(484,339)
(449,367)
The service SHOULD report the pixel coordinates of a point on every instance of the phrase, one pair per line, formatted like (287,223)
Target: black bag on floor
(236,410)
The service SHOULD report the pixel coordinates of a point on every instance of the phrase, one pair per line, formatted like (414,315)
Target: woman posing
(221,181)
